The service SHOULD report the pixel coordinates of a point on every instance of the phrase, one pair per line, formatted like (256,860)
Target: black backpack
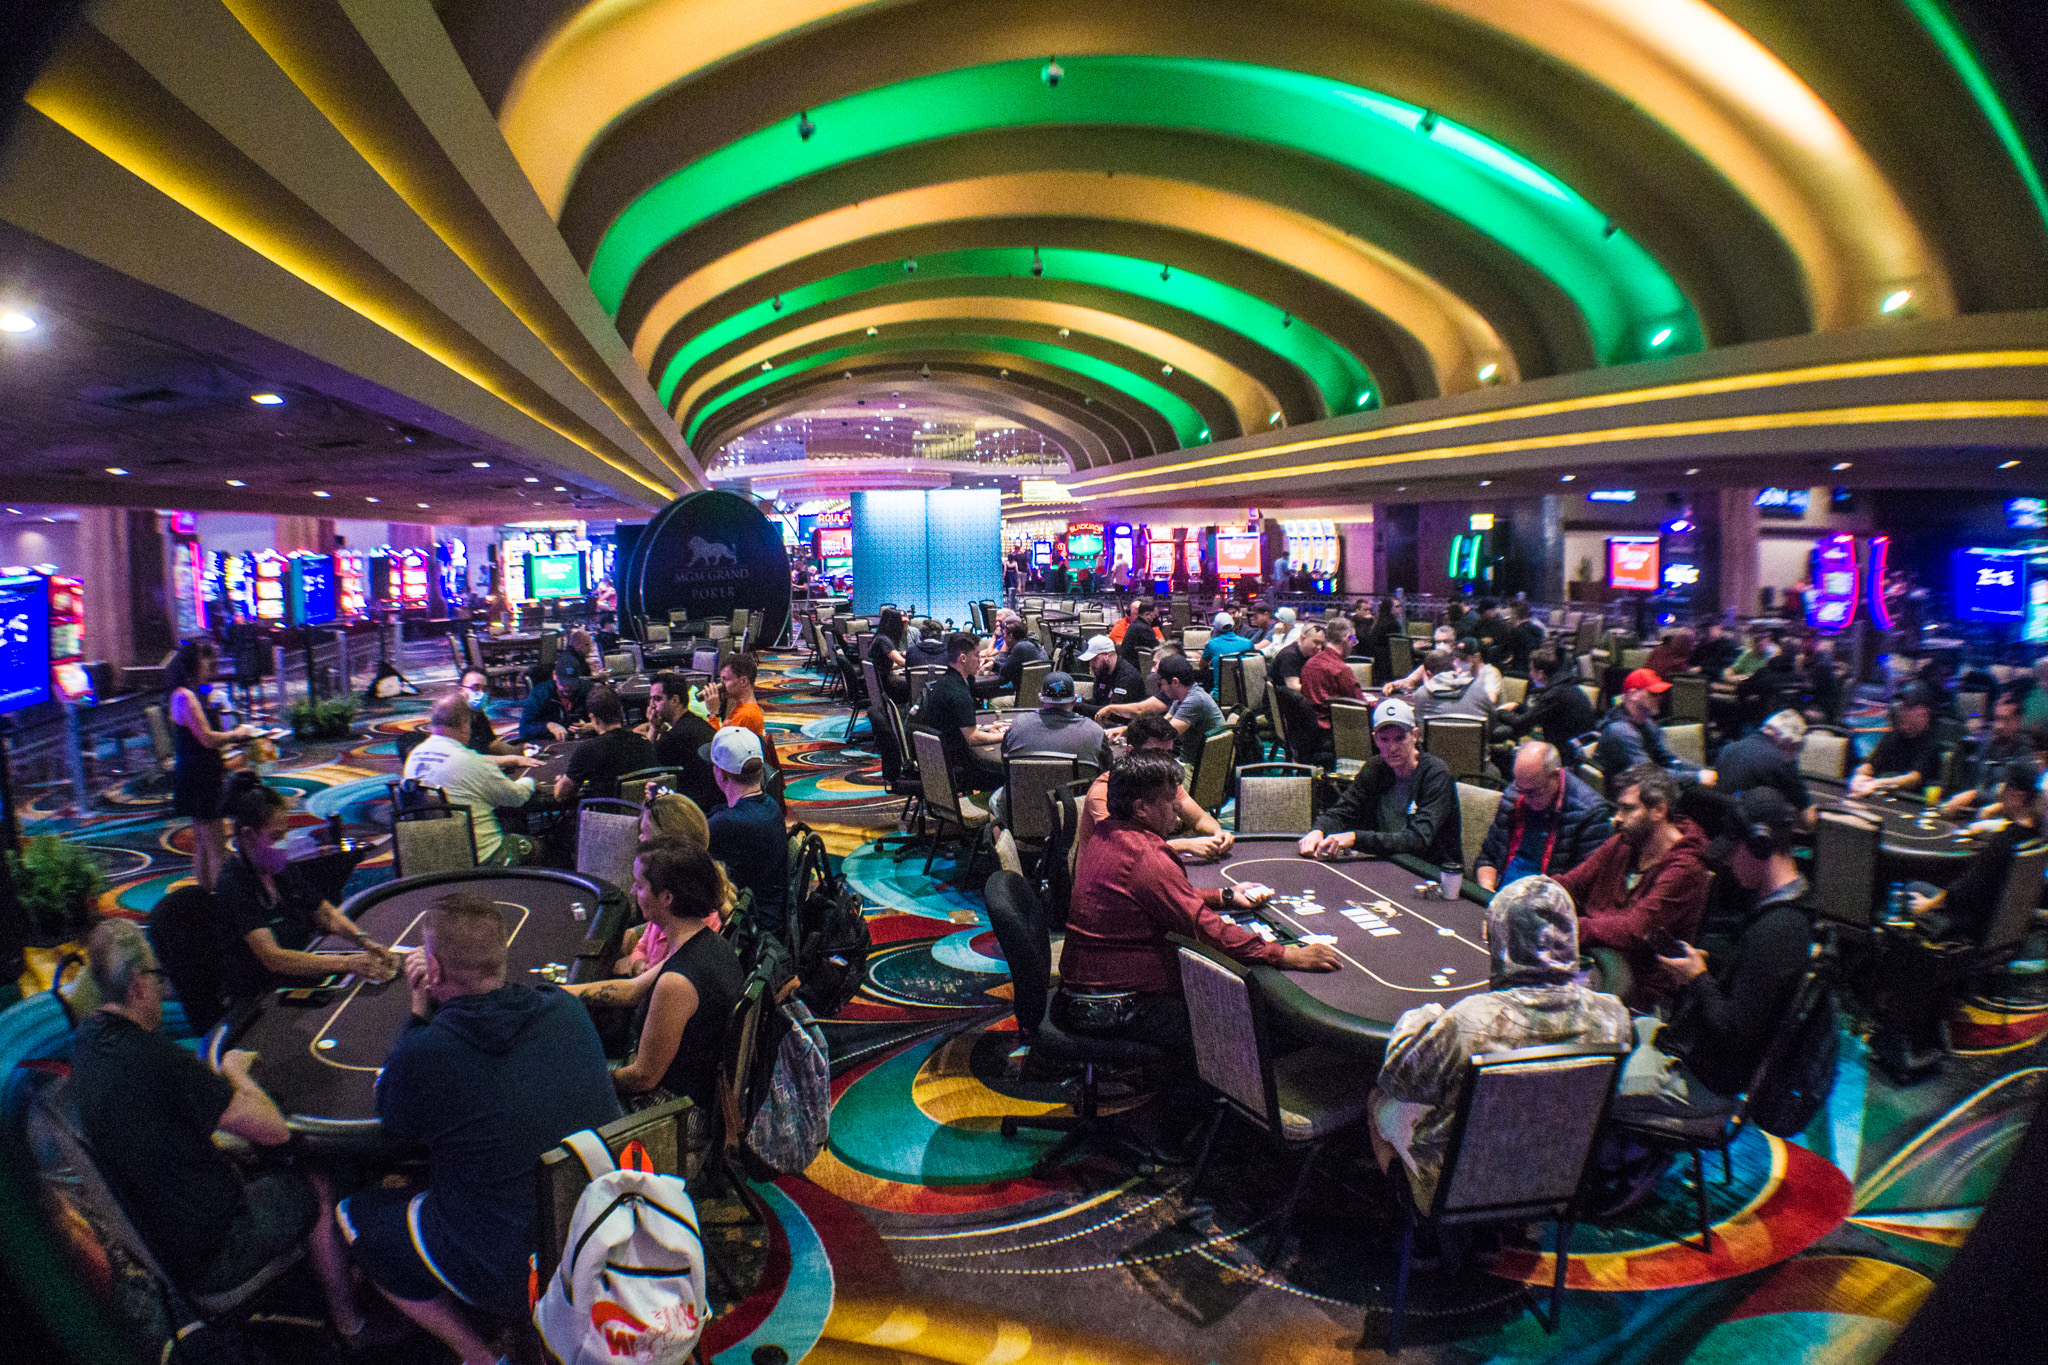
(827,929)
(1799,1070)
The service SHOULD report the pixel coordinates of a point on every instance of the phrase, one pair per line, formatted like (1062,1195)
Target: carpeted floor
(920,1235)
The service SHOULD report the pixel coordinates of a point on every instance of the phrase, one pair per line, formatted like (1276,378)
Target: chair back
(1062,851)
(607,837)
(476,655)
(2017,903)
(1845,869)
(1276,798)
(620,665)
(1592,694)
(718,630)
(1212,770)
(1459,741)
(1824,754)
(1361,669)
(920,678)
(658,1130)
(1007,856)
(657,634)
(1686,702)
(1028,778)
(1524,1132)
(160,739)
(1513,691)
(1420,630)
(409,792)
(1588,638)
(1181,612)
(1193,641)
(185,930)
(1229,1033)
(1689,742)
(432,837)
(634,786)
(705,661)
(456,655)
(550,644)
(1477,807)
(1401,651)
(1021,929)
(1029,679)
(1254,668)
(1351,729)
(936,776)
(1230,682)
(1633,659)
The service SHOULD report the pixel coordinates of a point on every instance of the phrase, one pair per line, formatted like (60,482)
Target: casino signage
(707,555)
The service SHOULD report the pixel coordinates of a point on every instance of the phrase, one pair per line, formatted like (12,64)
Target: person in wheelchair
(1925,957)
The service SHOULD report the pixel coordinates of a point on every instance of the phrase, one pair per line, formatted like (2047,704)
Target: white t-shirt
(470,780)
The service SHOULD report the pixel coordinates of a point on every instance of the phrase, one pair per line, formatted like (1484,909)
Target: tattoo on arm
(610,993)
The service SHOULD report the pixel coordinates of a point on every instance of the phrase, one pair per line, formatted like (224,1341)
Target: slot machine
(214,589)
(351,584)
(239,575)
(413,566)
(188,585)
(454,557)
(268,571)
(312,600)
(67,640)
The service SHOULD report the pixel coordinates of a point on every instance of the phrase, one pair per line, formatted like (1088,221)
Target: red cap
(1646,679)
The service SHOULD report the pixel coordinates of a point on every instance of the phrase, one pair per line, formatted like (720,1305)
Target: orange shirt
(748,716)
(1116,632)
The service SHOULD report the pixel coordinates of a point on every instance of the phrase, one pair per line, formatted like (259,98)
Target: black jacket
(1561,710)
(1432,829)
(1722,1021)
(1584,822)
(1124,685)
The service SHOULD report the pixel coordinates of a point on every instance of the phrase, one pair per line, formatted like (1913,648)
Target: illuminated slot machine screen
(1084,545)
(454,557)
(239,574)
(1990,584)
(268,572)
(1633,564)
(513,556)
(413,568)
(1192,548)
(1041,554)
(188,585)
(24,641)
(351,584)
(835,549)
(555,575)
(214,587)
(1831,606)
(67,640)
(1160,553)
(1237,556)
(313,596)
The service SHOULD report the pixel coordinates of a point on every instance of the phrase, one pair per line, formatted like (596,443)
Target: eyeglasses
(156,972)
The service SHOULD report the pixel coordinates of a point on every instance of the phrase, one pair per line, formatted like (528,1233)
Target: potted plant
(59,886)
(324,717)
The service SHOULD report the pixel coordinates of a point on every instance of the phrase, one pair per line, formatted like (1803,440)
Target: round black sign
(708,555)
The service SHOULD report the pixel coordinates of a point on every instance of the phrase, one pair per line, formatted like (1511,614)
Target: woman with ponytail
(271,914)
(198,769)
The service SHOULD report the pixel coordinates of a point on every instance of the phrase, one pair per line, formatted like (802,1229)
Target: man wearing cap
(1533,1000)
(1056,729)
(748,836)
(2005,741)
(1185,703)
(1768,758)
(1113,679)
(1630,735)
(1281,634)
(1260,618)
(1725,1009)
(1403,801)
(1224,643)
(1909,756)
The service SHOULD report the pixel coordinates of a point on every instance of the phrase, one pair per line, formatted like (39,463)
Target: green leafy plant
(58,884)
(324,717)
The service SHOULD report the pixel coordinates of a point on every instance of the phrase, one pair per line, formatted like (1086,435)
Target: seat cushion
(973,813)
(1058,1045)
(1320,1091)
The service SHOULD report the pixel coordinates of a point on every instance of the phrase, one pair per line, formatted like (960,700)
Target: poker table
(319,1051)
(1915,842)
(1400,948)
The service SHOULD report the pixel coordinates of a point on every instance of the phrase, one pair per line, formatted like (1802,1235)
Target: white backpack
(631,1283)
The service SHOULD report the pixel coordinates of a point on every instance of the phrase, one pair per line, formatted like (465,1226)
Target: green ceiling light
(1659,337)
(1940,26)
(1177,412)
(1335,372)
(1895,300)
(1364,399)
(1618,288)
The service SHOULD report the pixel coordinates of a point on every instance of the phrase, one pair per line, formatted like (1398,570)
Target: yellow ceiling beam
(1454,335)
(1251,400)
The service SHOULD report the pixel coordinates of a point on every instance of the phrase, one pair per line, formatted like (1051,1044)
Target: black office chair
(1021,928)
(185,932)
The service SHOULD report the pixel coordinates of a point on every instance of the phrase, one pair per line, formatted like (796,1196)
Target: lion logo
(704,551)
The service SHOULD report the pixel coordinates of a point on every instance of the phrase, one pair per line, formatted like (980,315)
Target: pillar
(103,546)
(315,534)
(1736,546)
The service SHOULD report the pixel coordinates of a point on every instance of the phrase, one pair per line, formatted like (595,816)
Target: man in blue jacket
(1630,734)
(1548,822)
(487,1077)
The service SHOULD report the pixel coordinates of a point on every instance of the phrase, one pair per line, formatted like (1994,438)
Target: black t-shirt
(149,1109)
(708,962)
(1757,761)
(292,919)
(680,747)
(481,735)
(1138,635)
(1126,684)
(879,650)
(1896,754)
(948,706)
(597,764)
(1287,664)
(751,840)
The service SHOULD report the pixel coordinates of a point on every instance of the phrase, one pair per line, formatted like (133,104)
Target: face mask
(477,696)
(268,857)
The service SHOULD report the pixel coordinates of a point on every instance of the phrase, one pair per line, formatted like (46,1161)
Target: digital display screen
(1789,504)
(1237,556)
(24,642)
(1160,552)
(313,589)
(1084,547)
(1041,553)
(555,575)
(1632,564)
(835,544)
(1831,606)
(1991,585)
(2027,514)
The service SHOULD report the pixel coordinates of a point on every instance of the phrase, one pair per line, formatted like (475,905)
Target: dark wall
(1926,525)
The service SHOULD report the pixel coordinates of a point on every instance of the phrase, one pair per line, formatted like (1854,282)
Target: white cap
(1098,645)
(1394,711)
(733,747)
(1221,621)
(1285,614)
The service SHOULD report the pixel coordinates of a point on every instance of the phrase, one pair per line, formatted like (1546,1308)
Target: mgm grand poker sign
(708,555)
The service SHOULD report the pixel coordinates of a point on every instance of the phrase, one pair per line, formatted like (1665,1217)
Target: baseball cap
(1787,725)
(1056,687)
(1394,711)
(1221,621)
(1646,679)
(1285,614)
(1098,645)
(733,747)
(1759,807)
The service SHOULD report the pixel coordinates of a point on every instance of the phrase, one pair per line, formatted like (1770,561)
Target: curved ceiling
(1336,206)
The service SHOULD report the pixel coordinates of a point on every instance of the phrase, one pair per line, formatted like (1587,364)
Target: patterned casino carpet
(920,1234)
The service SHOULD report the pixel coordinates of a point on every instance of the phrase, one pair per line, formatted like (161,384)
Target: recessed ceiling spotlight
(2010,464)
(1895,300)
(373,499)
(322,493)
(1841,465)
(268,400)
(1694,470)
(531,479)
(1488,371)
(1486,483)
(425,506)
(237,483)
(561,488)
(16,322)
(115,469)
(1566,478)
(15,510)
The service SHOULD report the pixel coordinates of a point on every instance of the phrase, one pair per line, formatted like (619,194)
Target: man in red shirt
(1129,894)
(1642,890)
(1326,675)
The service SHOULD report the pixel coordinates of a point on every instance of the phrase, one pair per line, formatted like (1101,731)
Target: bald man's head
(1539,774)
(451,714)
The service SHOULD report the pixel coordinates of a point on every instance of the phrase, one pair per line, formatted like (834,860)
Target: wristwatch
(1229,897)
